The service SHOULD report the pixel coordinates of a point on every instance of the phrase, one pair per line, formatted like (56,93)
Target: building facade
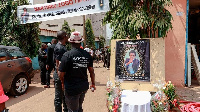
(49,28)
(175,42)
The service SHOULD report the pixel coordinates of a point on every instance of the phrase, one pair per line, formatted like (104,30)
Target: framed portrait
(133,60)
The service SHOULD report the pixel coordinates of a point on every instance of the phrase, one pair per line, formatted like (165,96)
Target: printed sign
(60,9)
(133,60)
(179,13)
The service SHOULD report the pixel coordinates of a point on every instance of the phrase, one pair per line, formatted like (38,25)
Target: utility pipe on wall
(186,42)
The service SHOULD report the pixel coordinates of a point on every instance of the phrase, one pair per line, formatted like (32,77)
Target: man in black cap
(50,61)
(59,50)
(73,73)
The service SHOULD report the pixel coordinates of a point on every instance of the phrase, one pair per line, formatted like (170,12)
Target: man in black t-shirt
(73,74)
(59,50)
(42,58)
(50,61)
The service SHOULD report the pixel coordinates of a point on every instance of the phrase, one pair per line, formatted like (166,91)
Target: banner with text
(60,9)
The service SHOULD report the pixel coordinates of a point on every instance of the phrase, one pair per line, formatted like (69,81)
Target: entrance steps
(195,63)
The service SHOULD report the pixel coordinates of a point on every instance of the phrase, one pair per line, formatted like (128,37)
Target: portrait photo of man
(24,16)
(132,63)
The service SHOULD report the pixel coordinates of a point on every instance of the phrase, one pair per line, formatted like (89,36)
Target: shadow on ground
(98,83)
(191,93)
(34,88)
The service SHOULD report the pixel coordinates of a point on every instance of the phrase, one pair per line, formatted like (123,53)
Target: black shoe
(43,83)
(46,86)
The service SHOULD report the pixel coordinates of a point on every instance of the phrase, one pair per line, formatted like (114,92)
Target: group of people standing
(102,54)
(70,71)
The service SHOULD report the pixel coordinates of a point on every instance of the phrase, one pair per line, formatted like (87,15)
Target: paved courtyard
(39,99)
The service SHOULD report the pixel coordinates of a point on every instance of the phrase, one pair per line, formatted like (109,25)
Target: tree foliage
(73,30)
(25,36)
(130,17)
(66,28)
(101,41)
(90,38)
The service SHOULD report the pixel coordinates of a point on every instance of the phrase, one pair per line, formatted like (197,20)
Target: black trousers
(74,103)
(59,95)
(48,75)
(108,63)
(104,62)
(43,72)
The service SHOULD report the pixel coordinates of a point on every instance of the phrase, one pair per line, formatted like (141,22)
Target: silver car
(15,70)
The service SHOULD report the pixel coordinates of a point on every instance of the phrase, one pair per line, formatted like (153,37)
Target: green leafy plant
(101,41)
(170,92)
(114,95)
(90,38)
(66,28)
(144,17)
(25,36)
(158,105)
(72,30)
(159,102)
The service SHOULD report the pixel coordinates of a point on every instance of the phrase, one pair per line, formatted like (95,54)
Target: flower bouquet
(114,96)
(170,92)
(159,102)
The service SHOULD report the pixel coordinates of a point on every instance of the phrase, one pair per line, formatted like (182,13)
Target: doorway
(194,32)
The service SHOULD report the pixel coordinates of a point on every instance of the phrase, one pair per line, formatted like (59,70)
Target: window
(52,25)
(15,53)
(3,56)
(49,1)
(77,24)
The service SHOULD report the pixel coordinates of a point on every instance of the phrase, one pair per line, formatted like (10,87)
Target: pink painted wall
(175,45)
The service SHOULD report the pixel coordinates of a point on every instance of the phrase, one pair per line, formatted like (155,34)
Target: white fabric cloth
(91,52)
(97,52)
(87,49)
(135,101)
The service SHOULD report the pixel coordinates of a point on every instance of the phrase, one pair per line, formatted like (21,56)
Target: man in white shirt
(92,53)
(87,49)
(97,53)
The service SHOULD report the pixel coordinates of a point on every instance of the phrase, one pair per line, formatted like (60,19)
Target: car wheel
(20,85)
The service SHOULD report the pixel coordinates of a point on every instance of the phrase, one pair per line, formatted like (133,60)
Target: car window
(2,56)
(15,53)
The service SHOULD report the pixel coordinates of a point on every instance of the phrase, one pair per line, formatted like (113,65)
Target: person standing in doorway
(73,74)
(42,58)
(50,61)
(59,50)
